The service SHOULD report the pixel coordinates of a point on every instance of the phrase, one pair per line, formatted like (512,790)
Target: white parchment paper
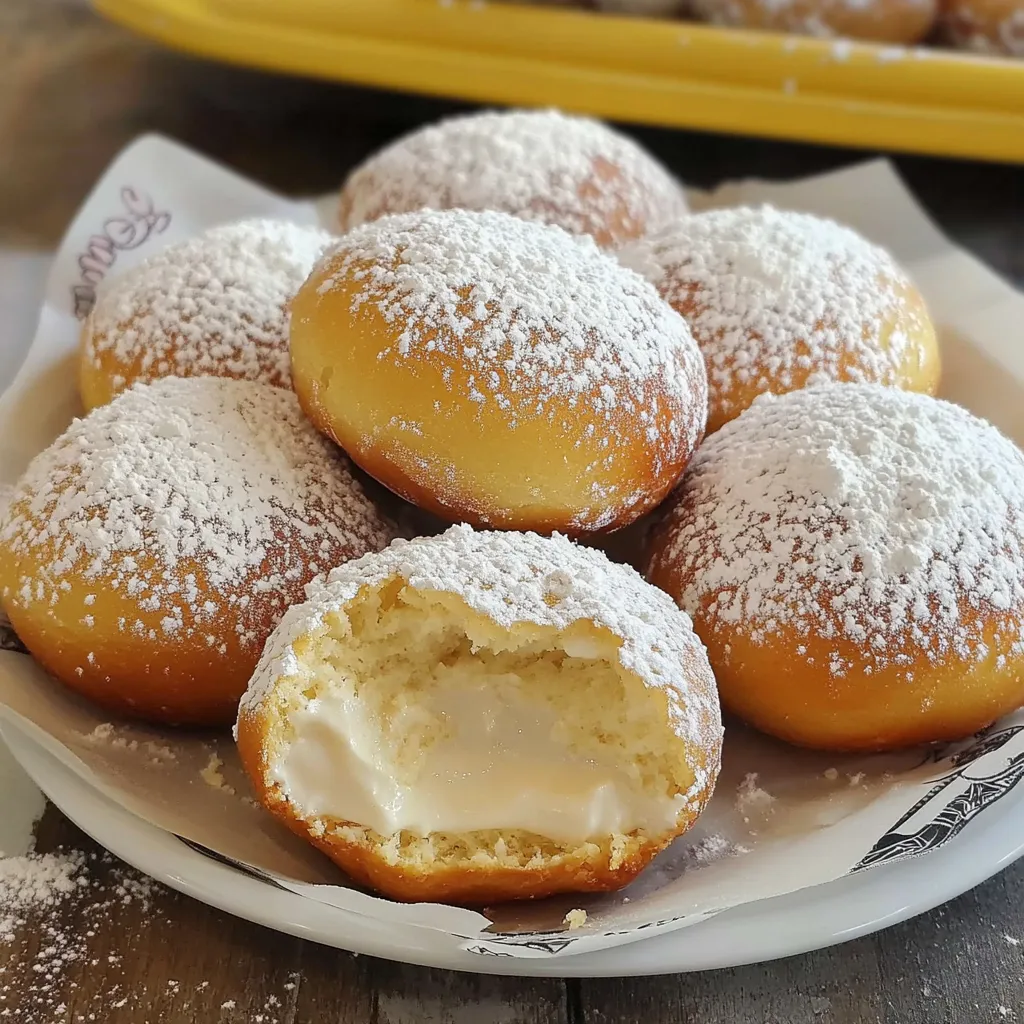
(781,819)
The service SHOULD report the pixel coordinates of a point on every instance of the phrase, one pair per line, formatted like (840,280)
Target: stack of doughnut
(520,330)
(992,27)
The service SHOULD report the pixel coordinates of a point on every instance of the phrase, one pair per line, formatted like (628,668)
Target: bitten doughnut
(148,552)
(539,165)
(498,372)
(480,717)
(214,306)
(777,300)
(853,557)
(984,26)
(881,21)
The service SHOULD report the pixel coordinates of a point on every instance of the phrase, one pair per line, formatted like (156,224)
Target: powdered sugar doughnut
(853,557)
(984,26)
(882,21)
(149,551)
(498,372)
(485,716)
(216,305)
(539,165)
(777,300)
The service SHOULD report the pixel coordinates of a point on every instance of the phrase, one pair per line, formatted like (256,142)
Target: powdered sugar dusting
(538,165)
(522,577)
(859,513)
(776,299)
(542,322)
(195,499)
(215,305)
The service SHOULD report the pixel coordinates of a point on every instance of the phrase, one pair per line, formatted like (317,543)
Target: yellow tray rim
(662,73)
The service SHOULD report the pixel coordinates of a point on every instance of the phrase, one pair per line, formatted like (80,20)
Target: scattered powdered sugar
(857,513)
(506,576)
(539,165)
(776,299)
(711,849)
(751,800)
(541,323)
(215,305)
(203,501)
(52,905)
(33,882)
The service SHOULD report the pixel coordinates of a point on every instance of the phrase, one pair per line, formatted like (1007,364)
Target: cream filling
(491,764)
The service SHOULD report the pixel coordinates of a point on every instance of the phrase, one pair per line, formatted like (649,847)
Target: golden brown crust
(149,552)
(541,166)
(188,682)
(775,683)
(543,458)
(919,370)
(103,373)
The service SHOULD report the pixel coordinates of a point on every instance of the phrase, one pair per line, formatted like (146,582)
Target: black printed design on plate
(551,946)
(129,229)
(230,862)
(952,813)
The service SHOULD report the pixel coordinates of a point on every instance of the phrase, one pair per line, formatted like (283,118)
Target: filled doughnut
(853,557)
(880,21)
(984,26)
(480,717)
(147,554)
(213,306)
(539,165)
(498,372)
(777,300)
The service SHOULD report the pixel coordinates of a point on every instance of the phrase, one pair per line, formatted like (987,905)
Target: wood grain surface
(73,91)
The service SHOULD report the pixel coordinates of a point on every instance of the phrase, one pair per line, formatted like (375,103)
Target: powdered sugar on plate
(227,475)
(860,513)
(777,299)
(539,165)
(215,305)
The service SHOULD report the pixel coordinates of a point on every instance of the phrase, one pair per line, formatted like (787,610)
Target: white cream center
(494,762)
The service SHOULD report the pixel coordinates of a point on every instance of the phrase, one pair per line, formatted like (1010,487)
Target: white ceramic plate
(810,919)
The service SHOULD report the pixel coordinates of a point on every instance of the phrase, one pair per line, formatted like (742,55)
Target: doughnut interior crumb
(394,648)
(576,918)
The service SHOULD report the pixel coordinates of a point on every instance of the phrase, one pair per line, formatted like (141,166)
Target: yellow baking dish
(656,72)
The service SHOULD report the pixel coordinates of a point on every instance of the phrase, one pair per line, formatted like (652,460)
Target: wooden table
(72,92)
